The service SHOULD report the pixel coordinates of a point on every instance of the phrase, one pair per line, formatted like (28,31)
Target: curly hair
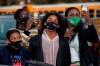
(61,22)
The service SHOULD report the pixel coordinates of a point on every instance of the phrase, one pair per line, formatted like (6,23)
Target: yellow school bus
(93,8)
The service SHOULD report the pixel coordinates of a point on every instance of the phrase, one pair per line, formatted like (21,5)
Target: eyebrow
(73,13)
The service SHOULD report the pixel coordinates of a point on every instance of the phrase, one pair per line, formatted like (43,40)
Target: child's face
(15,37)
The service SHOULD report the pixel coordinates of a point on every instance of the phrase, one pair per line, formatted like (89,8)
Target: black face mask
(51,26)
(24,20)
(15,44)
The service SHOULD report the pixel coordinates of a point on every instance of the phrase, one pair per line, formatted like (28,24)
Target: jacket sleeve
(92,34)
(68,55)
(93,37)
(0,58)
(65,53)
(32,48)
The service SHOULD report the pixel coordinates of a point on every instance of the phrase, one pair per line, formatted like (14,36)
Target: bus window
(40,12)
(91,11)
(98,13)
(45,12)
(53,11)
(60,12)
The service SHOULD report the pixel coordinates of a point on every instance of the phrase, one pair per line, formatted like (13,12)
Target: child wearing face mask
(13,54)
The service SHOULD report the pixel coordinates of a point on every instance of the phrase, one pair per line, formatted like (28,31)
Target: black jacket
(6,51)
(63,56)
(84,35)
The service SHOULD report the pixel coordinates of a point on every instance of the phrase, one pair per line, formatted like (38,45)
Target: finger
(67,34)
(32,18)
(82,13)
(70,29)
(72,32)
(73,65)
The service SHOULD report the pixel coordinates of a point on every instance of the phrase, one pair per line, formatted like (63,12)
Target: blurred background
(20,2)
(9,7)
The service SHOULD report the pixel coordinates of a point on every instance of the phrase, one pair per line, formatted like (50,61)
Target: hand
(86,15)
(29,23)
(73,65)
(37,21)
(69,33)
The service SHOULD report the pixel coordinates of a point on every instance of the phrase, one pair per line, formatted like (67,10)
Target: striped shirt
(26,36)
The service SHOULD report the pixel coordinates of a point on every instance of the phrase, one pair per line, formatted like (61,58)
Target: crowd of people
(54,40)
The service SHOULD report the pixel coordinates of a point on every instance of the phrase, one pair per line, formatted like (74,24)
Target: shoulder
(23,49)
(63,40)
(3,49)
(35,38)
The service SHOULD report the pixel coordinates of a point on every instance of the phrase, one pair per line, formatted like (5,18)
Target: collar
(46,36)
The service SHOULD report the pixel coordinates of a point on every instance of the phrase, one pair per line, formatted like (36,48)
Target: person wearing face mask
(50,46)
(27,25)
(77,37)
(13,54)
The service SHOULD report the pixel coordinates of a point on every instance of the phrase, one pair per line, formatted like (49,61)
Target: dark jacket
(5,55)
(63,56)
(84,35)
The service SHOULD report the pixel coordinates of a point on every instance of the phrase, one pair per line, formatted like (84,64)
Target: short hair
(8,34)
(17,13)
